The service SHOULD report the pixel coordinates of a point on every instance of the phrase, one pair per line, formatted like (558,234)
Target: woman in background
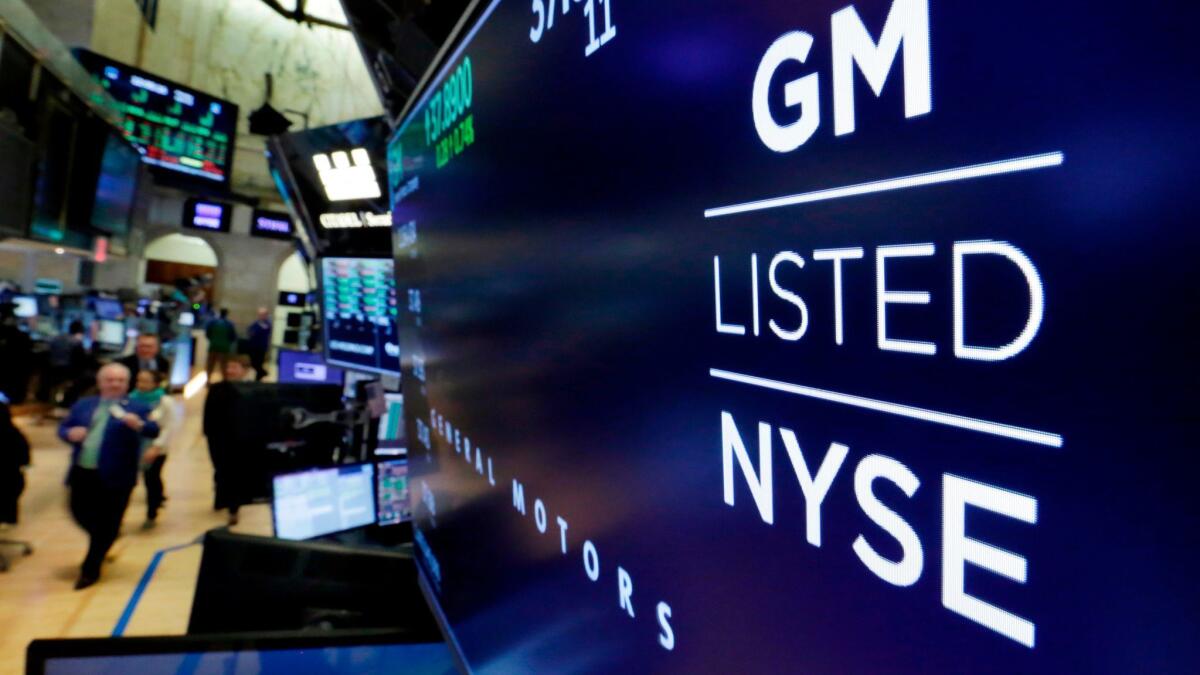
(151,392)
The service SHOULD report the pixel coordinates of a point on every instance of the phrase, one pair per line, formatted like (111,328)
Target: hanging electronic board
(178,130)
(805,337)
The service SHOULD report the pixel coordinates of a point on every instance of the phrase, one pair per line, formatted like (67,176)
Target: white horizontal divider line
(948,419)
(1029,163)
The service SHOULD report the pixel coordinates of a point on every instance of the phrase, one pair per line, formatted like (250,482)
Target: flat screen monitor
(821,337)
(391,490)
(295,319)
(299,367)
(179,131)
(271,224)
(116,187)
(111,333)
(391,439)
(207,215)
(107,308)
(317,502)
(359,314)
(292,299)
(336,653)
(26,306)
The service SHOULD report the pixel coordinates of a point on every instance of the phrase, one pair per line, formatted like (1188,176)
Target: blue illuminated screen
(805,337)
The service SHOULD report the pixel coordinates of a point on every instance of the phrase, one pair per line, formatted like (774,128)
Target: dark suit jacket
(121,449)
(134,364)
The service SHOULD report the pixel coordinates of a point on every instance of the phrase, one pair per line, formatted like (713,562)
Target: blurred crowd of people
(121,422)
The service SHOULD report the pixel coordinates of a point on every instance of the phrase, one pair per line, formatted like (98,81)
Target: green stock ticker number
(449,124)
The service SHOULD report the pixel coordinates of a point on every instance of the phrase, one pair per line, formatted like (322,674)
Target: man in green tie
(106,433)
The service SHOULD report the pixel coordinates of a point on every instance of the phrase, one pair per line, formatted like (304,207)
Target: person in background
(16,355)
(222,338)
(258,343)
(229,470)
(147,355)
(105,433)
(151,392)
(69,360)
(14,457)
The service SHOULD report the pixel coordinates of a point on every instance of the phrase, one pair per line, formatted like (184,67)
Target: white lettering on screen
(149,85)
(907,25)
(958,549)
(273,225)
(957,493)
(885,297)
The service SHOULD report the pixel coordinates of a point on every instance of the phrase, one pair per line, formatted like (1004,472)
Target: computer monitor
(316,502)
(255,583)
(390,440)
(107,308)
(300,367)
(372,652)
(26,306)
(295,319)
(358,300)
(391,489)
(292,299)
(111,333)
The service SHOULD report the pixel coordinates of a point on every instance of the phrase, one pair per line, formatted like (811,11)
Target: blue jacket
(121,449)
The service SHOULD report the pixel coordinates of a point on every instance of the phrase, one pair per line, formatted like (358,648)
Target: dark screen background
(566,325)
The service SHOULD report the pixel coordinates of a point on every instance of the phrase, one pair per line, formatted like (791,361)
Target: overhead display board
(335,177)
(823,337)
(177,129)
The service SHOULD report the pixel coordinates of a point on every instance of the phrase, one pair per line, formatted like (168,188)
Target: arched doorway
(293,318)
(181,263)
(182,270)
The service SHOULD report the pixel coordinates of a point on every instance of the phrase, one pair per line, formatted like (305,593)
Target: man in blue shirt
(258,343)
(105,433)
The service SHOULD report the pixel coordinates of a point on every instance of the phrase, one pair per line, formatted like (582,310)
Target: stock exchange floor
(37,599)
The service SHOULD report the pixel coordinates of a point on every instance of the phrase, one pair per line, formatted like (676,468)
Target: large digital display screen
(359,314)
(177,129)
(805,337)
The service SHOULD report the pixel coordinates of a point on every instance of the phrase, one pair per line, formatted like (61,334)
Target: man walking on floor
(105,433)
(222,341)
(258,343)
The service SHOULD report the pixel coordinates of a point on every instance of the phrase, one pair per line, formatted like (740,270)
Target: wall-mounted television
(207,215)
(271,224)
